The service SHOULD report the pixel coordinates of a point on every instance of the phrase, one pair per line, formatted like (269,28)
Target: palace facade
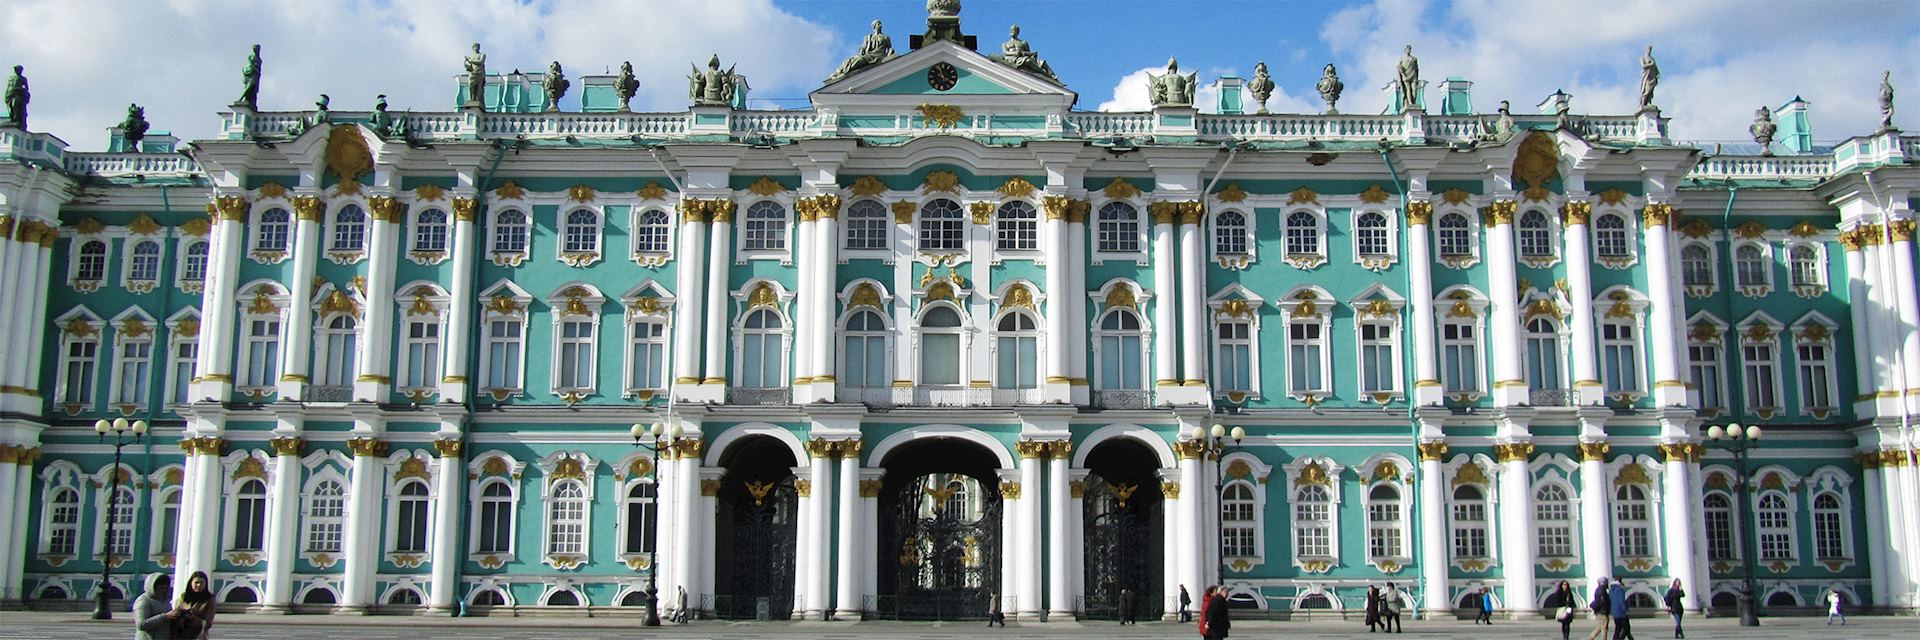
(941,338)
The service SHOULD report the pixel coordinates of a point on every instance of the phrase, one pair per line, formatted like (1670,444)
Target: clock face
(942,76)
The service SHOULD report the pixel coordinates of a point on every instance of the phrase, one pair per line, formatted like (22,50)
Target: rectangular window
(412,536)
(1235,357)
(576,355)
(79,367)
(1555,535)
(866,362)
(1621,357)
(648,357)
(186,353)
(1633,529)
(423,355)
(1703,365)
(1019,362)
(1379,359)
(263,354)
(640,516)
(1312,537)
(1470,530)
(1719,524)
(1383,530)
(1304,348)
(503,355)
(1461,357)
(1543,361)
(1757,364)
(1816,371)
(136,364)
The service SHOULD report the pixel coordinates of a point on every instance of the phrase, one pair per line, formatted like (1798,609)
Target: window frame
(649,507)
(337,233)
(1568,507)
(130,275)
(312,521)
(1221,234)
(486,470)
(874,213)
(1712,399)
(1475,385)
(1309,225)
(1688,269)
(1761,376)
(1103,251)
(60,479)
(1400,526)
(1781,532)
(1310,310)
(79,330)
(846,362)
(87,268)
(783,337)
(1141,334)
(1390,239)
(566,314)
(499,233)
(502,303)
(190,261)
(952,232)
(1320,473)
(397,500)
(558,470)
(1459,523)
(1037,334)
(1830,482)
(662,229)
(1732,543)
(1468,238)
(580,243)
(1625,250)
(1819,268)
(743,244)
(128,504)
(639,334)
(143,387)
(1548,231)
(235,537)
(420,230)
(1391,343)
(1811,373)
(324,349)
(960,334)
(1620,506)
(1764,257)
(262,246)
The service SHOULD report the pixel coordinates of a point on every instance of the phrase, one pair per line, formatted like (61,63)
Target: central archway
(1122,524)
(756,511)
(940,515)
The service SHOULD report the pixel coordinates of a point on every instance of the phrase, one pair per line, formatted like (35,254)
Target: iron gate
(759,543)
(944,547)
(1123,549)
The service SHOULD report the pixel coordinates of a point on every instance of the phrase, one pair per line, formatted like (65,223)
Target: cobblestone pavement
(57,626)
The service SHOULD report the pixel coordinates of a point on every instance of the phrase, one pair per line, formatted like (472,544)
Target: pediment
(903,81)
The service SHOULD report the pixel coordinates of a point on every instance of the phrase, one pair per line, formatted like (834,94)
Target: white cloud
(181,59)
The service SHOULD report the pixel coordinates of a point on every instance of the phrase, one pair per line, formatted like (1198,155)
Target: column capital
(1432,450)
(229,208)
(1190,449)
(1501,212)
(1170,489)
(205,446)
(288,446)
(465,209)
(1513,451)
(869,488)
(1031,448)
(1902,230)
(385,208)
(367,447)
(1658,214)
(822,448)
(1419,213)
(307,208)
(1010,490)
(1575,212)
(803,487)
(1594,451)
(849,448)
(447,447)
(1681,451)
(1059,449)
(688,448)
(1868,460)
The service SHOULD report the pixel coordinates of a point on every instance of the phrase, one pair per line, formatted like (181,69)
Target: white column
(1192,500)
(1863,341)
(869,560)
(804,329)
(1027,532)
(848,603)
(1516,524)
(1907,305)
(296,346)
(283,522)
(1166,363)
(1193,303)
(17,551)
(686,473)
(42,274)
(1059,605)
(454,384)
(1012,552)
(1877,556)
(820,590)
(217,312)
(1662,316)
(1900,515)
(12,322)
(205,493)
(704,511)
(688,289)
(720,261)
(1171,547)
(1503,318)
(827,281)
(1427,389)
(362,543)
(666,563)
(802,544)
(1585,363)
(376,328)
(447,554)
(1677,516)
(8,471)
(1434,561)
(1076,304)
(1596,542)
(1059,264)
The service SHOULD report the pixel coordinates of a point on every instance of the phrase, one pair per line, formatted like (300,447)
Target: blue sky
(1720,58)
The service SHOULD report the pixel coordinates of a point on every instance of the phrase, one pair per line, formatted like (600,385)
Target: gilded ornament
(1658,215)
(1576,213)
(1378,308)
(307,208)
(271,190)
(944,116)
(1123,493)
(1236,308)
(1870,235)
(1696,228)
(867,186)
(464,209)
(581,193)
(942,182)
(421,306)
(228,208)
(347,153)
(385,209)
(1901,230)
(1164,212)
(429,192)
(1313,474)
(653,191)
(940,291)
(825,207)
(262,303)
(765,187)
(1303,195)
(803,487)
(982,212)
(903,211)
(1750,229)
(1613,196)
(576,303)
(447,447)
(1432,450)
(143,224)
(412,468)
(1171,490)
(864,295)
(1759,332)
(1118,189)
(1469,473)
(568,468)
(89,226)
(1537,162)
(504,305)
(363,446)
(1016,187)
(1543,308)
(709,487)
(1307,305)
(249,467)
(347,188)
(1419,212)
(133,327)
(870,488)
(1018,296)
(1059,449)
(1631,474)
(763,296)
(1513,451)
(510,191)
(1057,206)
(1703,332)
(1385,471)
(1536,193)
(338,301)
(1010,490)
(1501,212)
(1121,296)
(1455,195)
(1815,332)
(1374,195)
(1031,448)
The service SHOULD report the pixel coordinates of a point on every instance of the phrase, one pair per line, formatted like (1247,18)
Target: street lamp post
(1216,443)
(124,434)
(1738,441)
(641,433)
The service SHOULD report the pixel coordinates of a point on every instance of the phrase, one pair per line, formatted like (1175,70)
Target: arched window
(765,227)
(940,347)
(491,598)
(864,351)
(510,232)
(867,226)
(121,514)
(430,231)
(242,595)
(567,519)
(563,598)
(1453,236)
(1119,228)
(1312,522)
(250,517)
(92,265)
(1696,266)
(145,264)
(582,232)
(63,522)
(1238,520)
(1017,351)
(1230,234)
(1469,522)
(955,506)
(1370,235)
(1829,537)
(650,235)
(1543,355)
(410,518)
(321,595)
(639,514)
(496,518)
(1536,235)
(1303,234)
(1553,522)
(194,268)
(1121,351)
(1773,518)
(349,229)
(338,341)
(1610,236)
(1460,354)
(1750,268)
(275,230)
(1719,520)
(1017,227)
(1620,355)
(1805,267)
(404,598)
(943,226)
(1385,523)
(326,517)
(1632,522)
(763,352)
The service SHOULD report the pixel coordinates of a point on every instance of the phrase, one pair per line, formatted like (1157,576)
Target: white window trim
(1556,471)
(1400,483)
(1143,227)
(1629,225)
(563,229)
(1460,305)
(1760,330)
(232,481)
(182,246)
(495,307)
(73,262)
(1655,534)
(1555,232)
(1791,530)
(549,466)
(1376,262)
(659,310)
(1293,472)
(1100,335)
(1733,523)
(412,242)
(132,242)
(845,229)
(508,258)
(59,475)
(1313,306)
(1472,257)
(1713,268)
(743,307)
(1619,305)
(1039,232)
(966,227)
(1766,258)
(1040,344)
(420,302)
(121,338)
(256,231)
(964,333)
(427,472)
(883,308)
(103,483)
(564,311)
(1311,260)
(1804,334)
(1487,526)
(1697,337)
(509,472)
(89,330)
(1821,277)
(323,470)
(332,226)
(323,355)
(1831,480)
(786,201)
(1251,236)
(1257,472)
(1220,305)
(162,487)
(636,560)
(652,259)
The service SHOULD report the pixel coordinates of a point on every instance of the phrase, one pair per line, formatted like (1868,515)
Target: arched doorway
(754,526)
(940,508)
(1122,523)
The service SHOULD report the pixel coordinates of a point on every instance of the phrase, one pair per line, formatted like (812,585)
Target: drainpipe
(473,362)
(1406,381)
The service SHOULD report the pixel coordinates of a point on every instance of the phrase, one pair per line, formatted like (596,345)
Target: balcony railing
(1123,399)
(329,393)
(1550,397)
(758,396)
(128,164)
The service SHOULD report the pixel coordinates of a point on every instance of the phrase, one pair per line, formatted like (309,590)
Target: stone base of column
(353,610)
(1062,616)
(1181,395)
(849,615)
(1058,391)
(439,612)
(1428,393)
(1082,392)
(702,393)
(1669,393)
(273,609)
(1510,393)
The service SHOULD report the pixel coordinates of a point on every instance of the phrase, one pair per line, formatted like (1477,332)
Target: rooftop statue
(1763,129)
(943,8)
(1409,81)
(1502,126)
(250,82)
(1886,100)
(1172,89)
(476,79)
(1330,87)
(713,87)
(556,85)
(1261,86)
(384,123)
(134,128)
(321,114)
(1649,78)
(626,86)
(1017,54)
(877,48)
(17,98)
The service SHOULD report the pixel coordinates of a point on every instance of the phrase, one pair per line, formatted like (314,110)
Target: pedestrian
(1126,606)
(1562,605)
(1218,622)
(680,613)
(194,619)
(994,613)
(1833,608)
(1486,607)
(1602,611)
(1373,608)
(1186,615)
(1617,599)
(1676,605)
(1206,600)
(153,613)
(1390,610)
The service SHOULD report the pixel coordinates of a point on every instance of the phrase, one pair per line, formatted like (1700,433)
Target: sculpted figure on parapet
(1172,89)
(1018,54)
(877,48)
(712,87)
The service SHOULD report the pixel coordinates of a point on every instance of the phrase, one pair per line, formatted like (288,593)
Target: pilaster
(1026,533)
(849,604)
(1060,605)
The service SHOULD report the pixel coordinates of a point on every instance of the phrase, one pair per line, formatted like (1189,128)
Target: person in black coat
(1186,601)
(1218,622)
(1373,609)
(1561,604)
(1126,606)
